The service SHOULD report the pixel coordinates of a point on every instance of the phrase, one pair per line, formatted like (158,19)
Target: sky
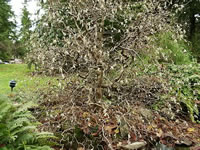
(17,6)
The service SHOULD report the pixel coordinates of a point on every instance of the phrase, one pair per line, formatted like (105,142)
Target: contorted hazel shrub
(95,33)
(94,37)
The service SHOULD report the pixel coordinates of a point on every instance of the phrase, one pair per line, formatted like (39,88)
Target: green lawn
(25,81)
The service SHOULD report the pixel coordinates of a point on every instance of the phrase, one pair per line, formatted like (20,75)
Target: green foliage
(195,44)
(6,25)
(182,85)
(186,14)
(26,25)
(21,42)
(6,29)
(18,128)
(10,45)
(184,81)
(5,49)
(171,49)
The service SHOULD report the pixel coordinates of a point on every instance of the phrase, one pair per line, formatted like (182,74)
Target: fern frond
(18,128)
(4,109)
(24,107)
(45,135)
(19,123)
(24,129)
(26,115)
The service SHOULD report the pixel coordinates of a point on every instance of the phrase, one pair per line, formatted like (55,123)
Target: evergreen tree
(6,29)
(24,31)
(26,24)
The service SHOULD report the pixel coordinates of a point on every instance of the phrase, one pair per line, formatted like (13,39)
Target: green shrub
(174,50)
(195,44)
(184,81)
(18,128)
(169,49)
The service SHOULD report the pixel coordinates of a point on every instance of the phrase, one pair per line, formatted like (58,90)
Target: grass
(25,81)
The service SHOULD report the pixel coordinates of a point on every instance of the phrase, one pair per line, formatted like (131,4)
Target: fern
(24,108)
(18,128)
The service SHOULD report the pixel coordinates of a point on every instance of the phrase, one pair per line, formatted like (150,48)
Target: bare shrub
(94,38)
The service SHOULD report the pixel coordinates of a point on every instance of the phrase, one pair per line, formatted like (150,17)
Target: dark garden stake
(12,84)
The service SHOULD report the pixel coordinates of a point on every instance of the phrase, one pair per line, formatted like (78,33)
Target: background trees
(13,42)
(6,29)
(188,17)
(25,32)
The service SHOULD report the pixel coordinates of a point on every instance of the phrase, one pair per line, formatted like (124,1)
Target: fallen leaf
(152,126)
(133,137)
(191,129)
(85,114)
(185,142)
(110,128)
(132,146)
(80,148)
(117,131)
(159,133)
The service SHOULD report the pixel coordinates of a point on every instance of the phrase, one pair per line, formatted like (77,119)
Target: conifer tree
(6,29)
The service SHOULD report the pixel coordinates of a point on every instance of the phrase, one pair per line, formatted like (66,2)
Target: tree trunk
(100,33)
